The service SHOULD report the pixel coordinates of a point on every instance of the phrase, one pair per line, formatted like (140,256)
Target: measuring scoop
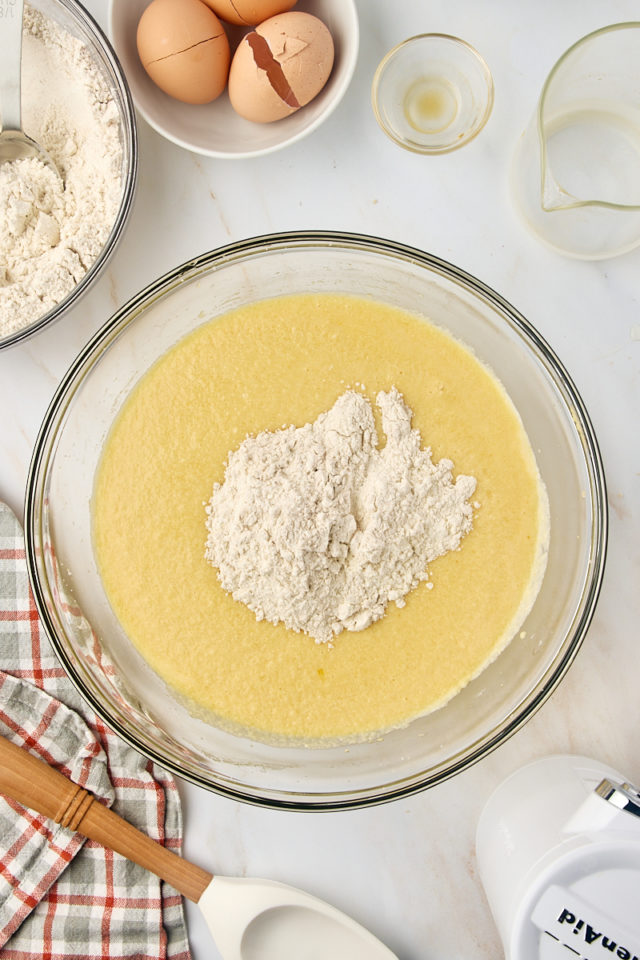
(14,142)
(249,919)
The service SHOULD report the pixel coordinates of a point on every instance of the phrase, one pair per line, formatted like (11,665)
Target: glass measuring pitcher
(575,175)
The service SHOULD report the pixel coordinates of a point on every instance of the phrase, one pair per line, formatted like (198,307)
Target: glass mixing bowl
(75,20)
(96,652)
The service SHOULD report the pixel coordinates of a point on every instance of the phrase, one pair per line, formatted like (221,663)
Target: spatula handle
(35,784)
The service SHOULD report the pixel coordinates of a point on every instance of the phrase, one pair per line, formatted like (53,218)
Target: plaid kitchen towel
(62,896)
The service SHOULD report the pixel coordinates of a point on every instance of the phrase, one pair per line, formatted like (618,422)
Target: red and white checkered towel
(62,896)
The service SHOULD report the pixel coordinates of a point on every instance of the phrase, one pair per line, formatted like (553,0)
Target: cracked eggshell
(183,47)
(282,69)
(248,12)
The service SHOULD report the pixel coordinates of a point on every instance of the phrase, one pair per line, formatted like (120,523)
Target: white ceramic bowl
(215,129)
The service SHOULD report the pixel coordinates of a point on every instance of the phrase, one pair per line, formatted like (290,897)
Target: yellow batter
(286,361)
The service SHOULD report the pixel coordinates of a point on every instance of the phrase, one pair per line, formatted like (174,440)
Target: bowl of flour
(57,233)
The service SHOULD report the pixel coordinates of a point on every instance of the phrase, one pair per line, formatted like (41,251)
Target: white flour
(316,528)
(51,232)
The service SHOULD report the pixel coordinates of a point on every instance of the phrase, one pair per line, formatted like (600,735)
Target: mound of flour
(52,230)
(317,528)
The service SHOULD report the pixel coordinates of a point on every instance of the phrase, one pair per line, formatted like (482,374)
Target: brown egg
(184,49)
(248,12)
(280,66)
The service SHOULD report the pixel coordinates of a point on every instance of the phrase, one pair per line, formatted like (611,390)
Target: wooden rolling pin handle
(36,785)
(79,802)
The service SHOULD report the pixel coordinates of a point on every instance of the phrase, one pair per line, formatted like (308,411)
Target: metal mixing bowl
(92,645)
(75,20)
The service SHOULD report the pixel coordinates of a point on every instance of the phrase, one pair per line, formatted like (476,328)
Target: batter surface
(285,361)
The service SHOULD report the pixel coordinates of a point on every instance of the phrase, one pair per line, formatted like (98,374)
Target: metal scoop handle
(11,59)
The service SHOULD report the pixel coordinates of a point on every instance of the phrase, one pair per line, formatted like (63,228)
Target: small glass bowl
(432,93)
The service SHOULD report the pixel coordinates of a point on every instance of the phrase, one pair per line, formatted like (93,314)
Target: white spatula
(249,919)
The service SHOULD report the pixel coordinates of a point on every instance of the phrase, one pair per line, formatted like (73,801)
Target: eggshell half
(280,66)
(248,12)
(183,47)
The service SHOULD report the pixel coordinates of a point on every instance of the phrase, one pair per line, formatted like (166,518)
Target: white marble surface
(407,870)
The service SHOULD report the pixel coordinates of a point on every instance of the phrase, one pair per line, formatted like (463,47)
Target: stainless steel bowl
(73,18)
(92,645)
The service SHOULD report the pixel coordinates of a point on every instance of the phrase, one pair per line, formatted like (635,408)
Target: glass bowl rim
(310,239)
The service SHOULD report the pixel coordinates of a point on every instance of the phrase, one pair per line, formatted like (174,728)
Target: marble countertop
(407,870)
